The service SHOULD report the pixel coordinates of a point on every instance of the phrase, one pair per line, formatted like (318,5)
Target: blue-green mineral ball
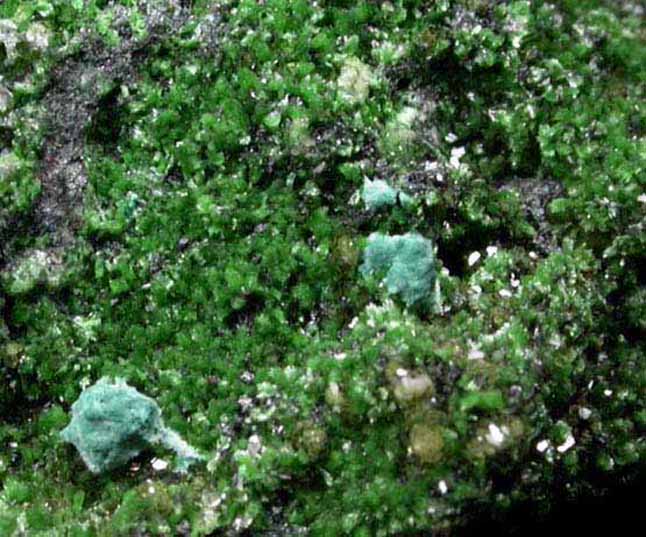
(111,423)
(408,263)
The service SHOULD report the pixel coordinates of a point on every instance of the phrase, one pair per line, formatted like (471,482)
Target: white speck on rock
(255,445)
(442,487)
(475,354)
(542,446)
(245,402)
(159,465)
(495,436)
(5,99)
(585,413)
(569,442)
(456,155)
(473,258)
(37,36)
(9,38)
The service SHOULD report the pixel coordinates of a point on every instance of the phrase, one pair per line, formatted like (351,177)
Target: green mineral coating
(408,263)
(378,193)
(112,422)
(488,401)
(179,208)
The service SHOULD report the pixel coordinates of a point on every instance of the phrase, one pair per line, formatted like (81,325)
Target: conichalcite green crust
(408,262)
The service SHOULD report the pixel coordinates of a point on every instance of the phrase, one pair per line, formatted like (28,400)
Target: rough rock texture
(79,88)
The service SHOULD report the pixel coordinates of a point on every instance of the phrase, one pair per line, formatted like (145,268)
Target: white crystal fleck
(442,487)
(9,38)
(495,436)
(37,36)
(475,354)
(569,442)
(542,446)
(473,258)
(585,413)
(5,98)
(456,155)
(255,445)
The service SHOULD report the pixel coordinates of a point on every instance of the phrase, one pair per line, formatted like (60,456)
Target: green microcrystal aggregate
(179,208)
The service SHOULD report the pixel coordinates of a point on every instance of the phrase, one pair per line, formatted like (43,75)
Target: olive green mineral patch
(426,443)
(354,81)
(112,423)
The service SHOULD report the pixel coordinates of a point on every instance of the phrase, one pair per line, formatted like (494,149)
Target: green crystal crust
(181,187)
(408,263)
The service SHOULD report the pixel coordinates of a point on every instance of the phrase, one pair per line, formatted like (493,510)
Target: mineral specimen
(408,261)
(112,423)
(379,193)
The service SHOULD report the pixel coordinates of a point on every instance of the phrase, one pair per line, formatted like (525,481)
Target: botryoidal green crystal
(112,423)
(379,193)
(408,261)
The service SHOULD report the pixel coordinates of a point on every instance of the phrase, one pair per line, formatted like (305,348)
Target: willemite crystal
(112,423)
